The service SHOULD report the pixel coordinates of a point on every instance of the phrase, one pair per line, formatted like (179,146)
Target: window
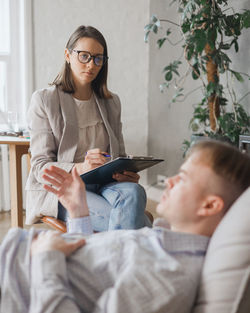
(4,51)
(15,60)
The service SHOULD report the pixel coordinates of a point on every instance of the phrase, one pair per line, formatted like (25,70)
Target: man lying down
(145,270)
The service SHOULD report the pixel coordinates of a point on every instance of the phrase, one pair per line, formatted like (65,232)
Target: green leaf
(233,25)
(246,19)
(237,76)
(223,101)
(175,71)
(194,75)
(190,51)
(167,68)
(146,36)
(200,40)
(147,27)
(236,46)
(185,27)
(168,32)
(211,87)
(172,67)
(163,86)
(214,88)
(155,28)
(225,46)
(160,42)
(154,18)
(168,76)
(195,72)
(177,95)
(211,37)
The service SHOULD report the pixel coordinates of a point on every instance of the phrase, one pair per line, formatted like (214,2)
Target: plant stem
(168,21)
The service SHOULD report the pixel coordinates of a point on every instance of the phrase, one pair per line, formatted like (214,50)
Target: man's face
(185,193)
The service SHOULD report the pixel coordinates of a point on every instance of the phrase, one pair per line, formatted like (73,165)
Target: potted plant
(209,30)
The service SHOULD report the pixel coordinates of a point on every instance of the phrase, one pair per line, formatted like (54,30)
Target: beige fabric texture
(91,129)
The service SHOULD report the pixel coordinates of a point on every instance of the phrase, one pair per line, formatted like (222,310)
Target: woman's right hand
(93,159)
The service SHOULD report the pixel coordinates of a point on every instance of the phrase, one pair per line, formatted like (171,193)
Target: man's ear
(212,205)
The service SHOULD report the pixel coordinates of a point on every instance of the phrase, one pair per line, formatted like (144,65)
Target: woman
(76,123)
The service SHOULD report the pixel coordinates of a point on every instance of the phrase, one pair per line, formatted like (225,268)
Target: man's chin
(159,210)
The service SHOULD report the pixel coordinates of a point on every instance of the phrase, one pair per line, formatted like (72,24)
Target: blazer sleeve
(43,143)
(116,112)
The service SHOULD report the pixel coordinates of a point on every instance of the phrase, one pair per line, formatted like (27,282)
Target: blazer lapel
(68,146)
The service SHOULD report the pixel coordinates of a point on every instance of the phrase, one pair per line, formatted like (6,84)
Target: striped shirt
(146,270)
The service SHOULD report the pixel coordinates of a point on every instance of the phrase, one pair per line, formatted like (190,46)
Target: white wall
(121,23)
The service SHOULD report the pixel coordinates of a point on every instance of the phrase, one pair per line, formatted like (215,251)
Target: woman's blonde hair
(64,79)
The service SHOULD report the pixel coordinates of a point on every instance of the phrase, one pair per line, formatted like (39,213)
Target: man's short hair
(228,162)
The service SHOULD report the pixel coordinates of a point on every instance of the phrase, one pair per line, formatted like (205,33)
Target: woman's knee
(136,191)
(131,193)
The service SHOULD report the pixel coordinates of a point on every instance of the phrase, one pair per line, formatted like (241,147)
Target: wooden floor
(5,224)
(5,220)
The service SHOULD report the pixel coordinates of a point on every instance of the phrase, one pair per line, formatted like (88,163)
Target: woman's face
(84,73)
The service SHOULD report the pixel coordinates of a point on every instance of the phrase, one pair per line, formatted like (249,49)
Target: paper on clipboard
(103,174)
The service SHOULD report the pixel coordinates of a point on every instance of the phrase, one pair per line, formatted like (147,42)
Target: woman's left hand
(127,176)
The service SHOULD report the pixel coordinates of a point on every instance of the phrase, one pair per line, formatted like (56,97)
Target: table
(17,148)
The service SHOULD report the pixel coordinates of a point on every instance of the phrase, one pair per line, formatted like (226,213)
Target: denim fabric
(114,206)
(128,201)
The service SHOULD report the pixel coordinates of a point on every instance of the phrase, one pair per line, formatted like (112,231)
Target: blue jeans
(114,206)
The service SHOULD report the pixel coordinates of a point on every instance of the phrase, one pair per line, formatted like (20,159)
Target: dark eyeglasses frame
(105,58)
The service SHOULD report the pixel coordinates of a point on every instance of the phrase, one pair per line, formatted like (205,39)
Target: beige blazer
(53,141)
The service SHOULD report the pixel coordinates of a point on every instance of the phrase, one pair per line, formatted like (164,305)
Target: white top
(92,131)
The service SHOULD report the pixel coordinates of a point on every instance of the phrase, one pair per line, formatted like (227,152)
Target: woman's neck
(83,92)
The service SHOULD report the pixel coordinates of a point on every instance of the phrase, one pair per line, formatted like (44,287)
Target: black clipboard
(103,174)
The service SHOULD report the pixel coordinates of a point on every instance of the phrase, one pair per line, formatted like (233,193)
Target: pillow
(225,275)
(242,304)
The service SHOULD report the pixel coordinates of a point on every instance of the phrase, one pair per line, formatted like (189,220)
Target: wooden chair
(54,223)
(49,220)
(61,226)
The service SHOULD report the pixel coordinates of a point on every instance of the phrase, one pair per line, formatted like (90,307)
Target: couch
(225,278)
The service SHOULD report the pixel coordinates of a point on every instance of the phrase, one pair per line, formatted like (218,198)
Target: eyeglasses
(85,57)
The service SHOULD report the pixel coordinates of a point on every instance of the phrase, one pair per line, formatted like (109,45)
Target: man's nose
(170,181)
